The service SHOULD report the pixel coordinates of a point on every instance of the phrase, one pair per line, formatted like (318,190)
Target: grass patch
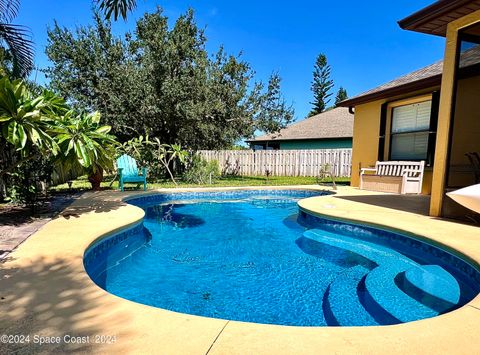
(82,183)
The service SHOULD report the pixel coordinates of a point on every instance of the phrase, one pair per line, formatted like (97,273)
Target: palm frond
(17,38)
(9,9)
(117,8)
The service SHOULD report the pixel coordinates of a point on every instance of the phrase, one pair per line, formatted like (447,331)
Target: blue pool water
(250,256)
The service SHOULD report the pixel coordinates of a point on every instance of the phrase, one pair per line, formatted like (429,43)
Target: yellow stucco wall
(466,131)
(445,110)
(366,129)
(467,123)
(365,137)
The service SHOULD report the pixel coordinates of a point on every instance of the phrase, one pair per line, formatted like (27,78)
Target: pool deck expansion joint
(218,336)
(478,309)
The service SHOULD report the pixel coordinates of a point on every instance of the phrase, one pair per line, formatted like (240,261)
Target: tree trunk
(3,189)
(171,175)
(95,178)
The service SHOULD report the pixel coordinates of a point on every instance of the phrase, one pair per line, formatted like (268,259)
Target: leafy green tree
(93,70)
(162,82)
(321,85)
(275,114)
(341,96)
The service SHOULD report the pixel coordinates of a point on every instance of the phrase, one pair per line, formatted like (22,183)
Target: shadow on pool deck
(418,204)
(98,202)
(17,223)
(66,306)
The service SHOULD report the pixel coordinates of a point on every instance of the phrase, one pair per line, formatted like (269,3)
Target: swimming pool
(249,256)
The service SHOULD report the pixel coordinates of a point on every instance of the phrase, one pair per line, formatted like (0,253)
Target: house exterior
(432,114)
(332,129)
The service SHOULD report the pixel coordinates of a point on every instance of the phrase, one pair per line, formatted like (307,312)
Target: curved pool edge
(330,208)
(322,213)
(141,328)
(402,231)
(133,196)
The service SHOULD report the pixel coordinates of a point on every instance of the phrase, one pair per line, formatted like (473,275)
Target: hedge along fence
(308,162)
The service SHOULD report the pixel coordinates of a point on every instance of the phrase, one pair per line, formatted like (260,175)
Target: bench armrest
(364,170)
(120,171)
(407,171)
(144,171)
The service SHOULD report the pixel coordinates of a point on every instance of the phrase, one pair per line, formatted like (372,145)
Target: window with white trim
(410,131)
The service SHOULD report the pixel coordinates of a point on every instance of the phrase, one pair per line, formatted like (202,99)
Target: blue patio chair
(128,172)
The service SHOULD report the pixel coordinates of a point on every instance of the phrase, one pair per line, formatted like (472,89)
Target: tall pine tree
(321,85)
(341,95)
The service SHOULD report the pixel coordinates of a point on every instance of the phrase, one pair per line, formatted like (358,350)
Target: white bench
(401,177)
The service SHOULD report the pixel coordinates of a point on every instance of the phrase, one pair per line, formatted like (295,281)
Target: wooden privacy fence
(308,162)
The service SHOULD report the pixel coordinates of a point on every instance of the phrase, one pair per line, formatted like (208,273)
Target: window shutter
(432,137)
(381,135)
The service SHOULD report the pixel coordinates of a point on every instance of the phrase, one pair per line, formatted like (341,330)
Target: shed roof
(335,123)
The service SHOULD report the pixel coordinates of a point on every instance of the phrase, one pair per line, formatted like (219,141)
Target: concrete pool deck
(45,291)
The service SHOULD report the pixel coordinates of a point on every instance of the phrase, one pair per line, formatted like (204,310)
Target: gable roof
(335,123)
(423,78)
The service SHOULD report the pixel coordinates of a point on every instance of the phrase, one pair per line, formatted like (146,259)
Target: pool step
(431,285)
(332,254)
(342,306)
(377,253)
(291,222)
(383,292)
(398,289)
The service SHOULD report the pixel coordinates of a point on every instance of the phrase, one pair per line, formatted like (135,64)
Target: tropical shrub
(169,155)
(144,151)
(231,168)
(25,119)
(160,159)
(85,145)
(141,148)
(28,182)
(200,171)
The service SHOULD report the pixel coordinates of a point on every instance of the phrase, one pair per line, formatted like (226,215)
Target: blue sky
(362,40)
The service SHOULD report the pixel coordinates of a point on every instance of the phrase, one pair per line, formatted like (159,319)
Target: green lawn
(83,184)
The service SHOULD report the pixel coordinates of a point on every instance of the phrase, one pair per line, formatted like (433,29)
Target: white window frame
(422,130)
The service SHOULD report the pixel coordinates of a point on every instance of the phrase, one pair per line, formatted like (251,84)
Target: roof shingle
(422,78)
(335,123)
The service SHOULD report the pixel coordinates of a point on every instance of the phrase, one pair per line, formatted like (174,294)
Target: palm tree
(116,8)
(18,38)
